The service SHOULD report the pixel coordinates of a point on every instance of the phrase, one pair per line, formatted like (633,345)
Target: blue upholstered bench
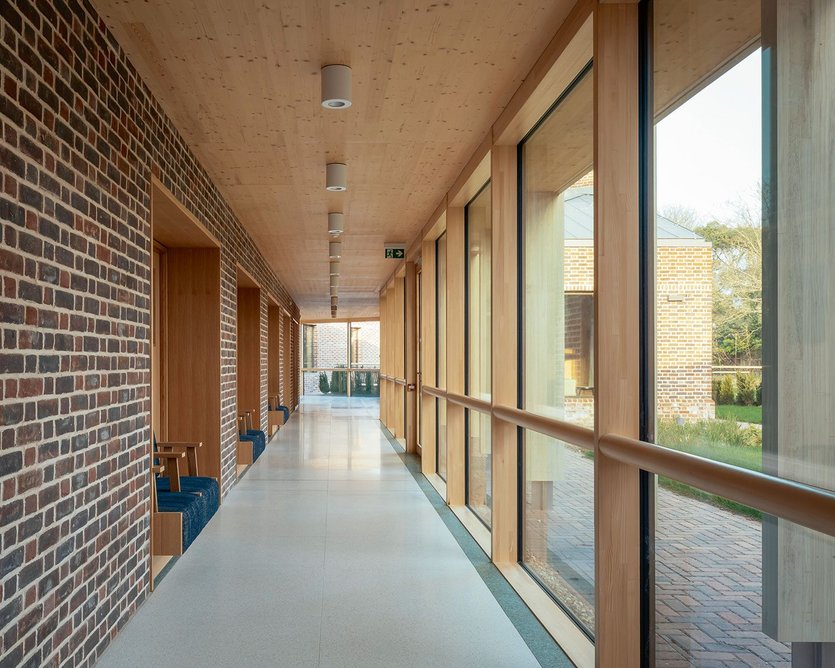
(246,433)
(196,497)
(190,507)
(206,489)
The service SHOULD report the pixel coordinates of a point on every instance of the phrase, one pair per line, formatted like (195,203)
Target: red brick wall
(80,138)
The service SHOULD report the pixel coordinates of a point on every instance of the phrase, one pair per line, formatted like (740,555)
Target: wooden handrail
(472,403)
(562,431)
(808,506)
(796,502)
(433,391)
(400,381)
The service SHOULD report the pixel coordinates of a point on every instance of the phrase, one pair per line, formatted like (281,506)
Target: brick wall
(684,326)
(81,136)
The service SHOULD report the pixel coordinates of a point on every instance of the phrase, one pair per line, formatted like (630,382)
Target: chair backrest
(241,423)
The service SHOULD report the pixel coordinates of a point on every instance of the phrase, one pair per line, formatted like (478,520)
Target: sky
(709,150)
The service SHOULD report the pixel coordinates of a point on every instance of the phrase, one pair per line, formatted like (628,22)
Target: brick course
(81,137)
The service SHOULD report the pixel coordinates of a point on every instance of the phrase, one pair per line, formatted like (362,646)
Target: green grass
(753,414)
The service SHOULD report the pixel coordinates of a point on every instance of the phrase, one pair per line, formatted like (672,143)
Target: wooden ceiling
(240,79)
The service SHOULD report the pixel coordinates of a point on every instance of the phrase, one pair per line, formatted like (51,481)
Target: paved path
(327,553)
(708,573)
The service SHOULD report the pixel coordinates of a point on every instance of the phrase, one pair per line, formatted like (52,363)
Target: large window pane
(558,245)
(479,230)
(440,316)
(744,290)
(440,371)
(558,523)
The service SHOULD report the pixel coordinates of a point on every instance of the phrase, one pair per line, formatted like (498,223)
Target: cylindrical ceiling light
(334,281)
(336,86)
(334,270)
(336,224)
(334,291)
(334,300)
(335,250)
(336,179)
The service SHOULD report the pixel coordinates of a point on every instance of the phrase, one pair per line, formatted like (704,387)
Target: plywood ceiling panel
(240,79)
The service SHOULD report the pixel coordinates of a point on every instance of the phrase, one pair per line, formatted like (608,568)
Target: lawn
(752,414)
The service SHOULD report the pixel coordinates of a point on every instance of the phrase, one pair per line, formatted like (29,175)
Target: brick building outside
(684,326)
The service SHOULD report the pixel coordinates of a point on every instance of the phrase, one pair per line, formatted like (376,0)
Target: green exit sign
(395,252)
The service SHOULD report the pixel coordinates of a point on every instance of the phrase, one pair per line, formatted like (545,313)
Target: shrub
(324,387)
(760,393)
(726,394)
(339,382)
(716,383)
(369,383)
(746,389)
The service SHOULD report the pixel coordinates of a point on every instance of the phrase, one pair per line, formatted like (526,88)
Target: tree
(324,386)
(737,292)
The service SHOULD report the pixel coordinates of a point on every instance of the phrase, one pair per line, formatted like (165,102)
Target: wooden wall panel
(617,372)
(504,334)
(249,352)
(427,350)
(411,335)
(193,351)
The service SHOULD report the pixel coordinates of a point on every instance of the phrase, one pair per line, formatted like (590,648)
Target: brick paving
(708,573)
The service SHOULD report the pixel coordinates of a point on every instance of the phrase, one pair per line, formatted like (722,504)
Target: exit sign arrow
(395,252)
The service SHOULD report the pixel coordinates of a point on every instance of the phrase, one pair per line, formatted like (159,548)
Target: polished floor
(326,553)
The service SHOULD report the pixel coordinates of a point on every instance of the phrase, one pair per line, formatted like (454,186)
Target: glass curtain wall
(479,235)
(341,358)
(440,320)
(744,290)
(557,225)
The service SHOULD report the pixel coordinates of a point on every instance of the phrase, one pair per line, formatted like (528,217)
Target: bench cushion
(203,486)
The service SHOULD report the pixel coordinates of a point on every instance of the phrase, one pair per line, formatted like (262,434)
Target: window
(326,349)
(479,237)
(557,317)
(742,260)
(440,371)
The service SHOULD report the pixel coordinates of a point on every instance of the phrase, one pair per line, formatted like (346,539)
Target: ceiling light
(334,268)
(336,87)
(335,250)
(337,177)
(334,291)
(336,224)
(334,281)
